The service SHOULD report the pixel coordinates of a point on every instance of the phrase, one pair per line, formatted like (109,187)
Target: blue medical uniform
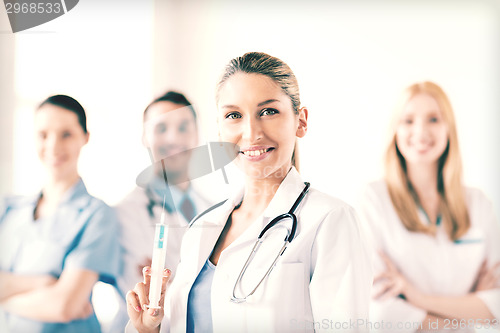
(83,233)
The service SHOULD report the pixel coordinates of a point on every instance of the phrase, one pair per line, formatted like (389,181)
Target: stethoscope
(288,239)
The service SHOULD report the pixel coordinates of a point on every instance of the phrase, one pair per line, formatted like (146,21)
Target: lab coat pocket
(278,305)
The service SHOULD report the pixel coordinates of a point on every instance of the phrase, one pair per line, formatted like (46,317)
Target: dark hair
(173,97)
(70,104)
(262,63)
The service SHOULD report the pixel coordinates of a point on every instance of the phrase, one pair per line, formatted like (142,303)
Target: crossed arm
(46,298)
(13,284)
(391,283)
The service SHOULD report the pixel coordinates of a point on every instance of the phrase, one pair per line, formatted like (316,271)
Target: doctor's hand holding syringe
(140,314)
(148,297)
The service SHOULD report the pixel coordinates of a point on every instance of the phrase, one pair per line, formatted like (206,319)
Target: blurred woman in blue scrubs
(57,244)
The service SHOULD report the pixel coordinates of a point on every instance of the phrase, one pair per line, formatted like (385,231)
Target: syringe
(158,261)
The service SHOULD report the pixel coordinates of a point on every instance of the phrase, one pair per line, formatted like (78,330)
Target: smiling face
(170,129)
(422,133)
(255,114)
(59,139)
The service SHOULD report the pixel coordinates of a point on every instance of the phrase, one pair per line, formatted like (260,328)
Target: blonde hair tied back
(272,67)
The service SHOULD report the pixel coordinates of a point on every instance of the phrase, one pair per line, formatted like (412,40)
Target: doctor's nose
(252,130)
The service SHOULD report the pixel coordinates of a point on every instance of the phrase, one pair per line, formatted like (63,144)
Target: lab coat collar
(219,216)
(285,196)
(212,224)
(288,191)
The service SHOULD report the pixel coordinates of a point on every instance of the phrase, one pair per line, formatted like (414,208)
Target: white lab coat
(322,281)
(435,265)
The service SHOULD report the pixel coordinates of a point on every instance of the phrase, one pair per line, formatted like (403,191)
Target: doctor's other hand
(488,278)
(391,283)
(143,318)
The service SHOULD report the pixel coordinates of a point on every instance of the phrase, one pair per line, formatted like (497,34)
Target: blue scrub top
(83,233)
(199,310)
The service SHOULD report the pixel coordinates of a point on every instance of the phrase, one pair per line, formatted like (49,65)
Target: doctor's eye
(269,112)
(433,119)
(233,115)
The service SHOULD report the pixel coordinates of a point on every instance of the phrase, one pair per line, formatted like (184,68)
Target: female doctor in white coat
(321,282)
(439,241)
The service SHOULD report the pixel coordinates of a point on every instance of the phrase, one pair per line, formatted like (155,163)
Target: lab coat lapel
(285,196)
(209,228)
(289,190)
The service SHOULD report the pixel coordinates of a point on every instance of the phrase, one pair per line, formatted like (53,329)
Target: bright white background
(352,58)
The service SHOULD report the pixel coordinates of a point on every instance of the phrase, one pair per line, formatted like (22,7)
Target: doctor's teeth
(255,152)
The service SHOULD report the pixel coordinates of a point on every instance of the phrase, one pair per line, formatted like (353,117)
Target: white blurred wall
(352,58)
(7,101)
(103,58)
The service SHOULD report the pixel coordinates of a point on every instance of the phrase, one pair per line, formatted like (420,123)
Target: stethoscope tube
(291,215)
